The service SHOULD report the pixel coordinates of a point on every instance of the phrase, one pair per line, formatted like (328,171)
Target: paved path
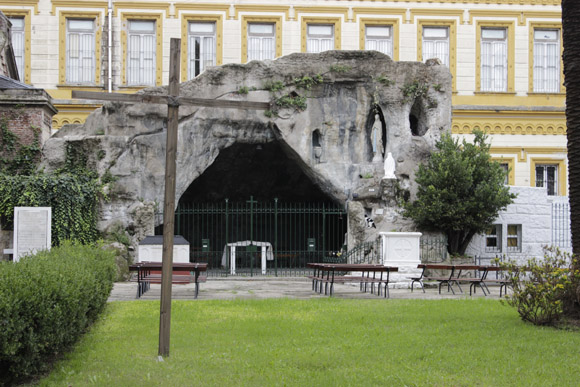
(260,288)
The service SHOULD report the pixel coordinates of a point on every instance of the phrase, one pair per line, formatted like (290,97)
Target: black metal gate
(262,238)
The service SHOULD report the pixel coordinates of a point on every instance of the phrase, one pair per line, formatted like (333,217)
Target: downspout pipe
(110,47)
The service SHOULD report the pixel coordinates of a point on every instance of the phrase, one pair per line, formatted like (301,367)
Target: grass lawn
(322,342)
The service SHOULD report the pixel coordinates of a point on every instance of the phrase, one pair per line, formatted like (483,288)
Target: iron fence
(433,249)
(561,224)
(366,252)
(254,238)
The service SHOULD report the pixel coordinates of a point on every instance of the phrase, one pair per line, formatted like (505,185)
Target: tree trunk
(458,241)
(465,242)
(571,38)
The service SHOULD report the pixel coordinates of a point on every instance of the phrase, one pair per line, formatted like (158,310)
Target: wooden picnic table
(454,277)
(150,272)
(328,273)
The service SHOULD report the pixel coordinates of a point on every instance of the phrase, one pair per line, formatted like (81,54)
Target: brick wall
(23,122)
(24,109)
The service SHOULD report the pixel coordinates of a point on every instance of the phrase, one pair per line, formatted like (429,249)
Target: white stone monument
(403,250)
(151,249)
(31,230)
(389,167)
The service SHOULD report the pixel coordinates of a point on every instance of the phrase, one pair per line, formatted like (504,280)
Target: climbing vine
(73,193)
(16,157)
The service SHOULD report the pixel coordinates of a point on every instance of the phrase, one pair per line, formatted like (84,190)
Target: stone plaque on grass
(31,230)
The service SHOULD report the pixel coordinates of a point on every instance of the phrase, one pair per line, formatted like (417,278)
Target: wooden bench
(325,275)
(150,272)
(449,279)
(454,277)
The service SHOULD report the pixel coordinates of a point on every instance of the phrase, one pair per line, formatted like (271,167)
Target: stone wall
(532,211)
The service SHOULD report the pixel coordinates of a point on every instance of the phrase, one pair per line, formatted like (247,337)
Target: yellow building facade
(504,55)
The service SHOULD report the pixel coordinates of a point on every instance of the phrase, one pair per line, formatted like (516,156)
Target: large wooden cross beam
(173,100)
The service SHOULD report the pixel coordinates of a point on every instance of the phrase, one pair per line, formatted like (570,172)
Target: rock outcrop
(323,118)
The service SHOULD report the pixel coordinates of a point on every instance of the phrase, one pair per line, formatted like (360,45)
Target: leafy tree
(461,191)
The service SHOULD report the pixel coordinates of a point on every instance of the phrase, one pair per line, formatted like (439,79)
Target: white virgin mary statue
(389,167)
(377,133)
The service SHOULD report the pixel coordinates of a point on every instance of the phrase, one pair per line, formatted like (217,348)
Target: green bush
(540,287)
(46,302)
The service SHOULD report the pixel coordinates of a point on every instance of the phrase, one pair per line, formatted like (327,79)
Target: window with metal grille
(493,239)
(547,176)
(546,61)
(494,59)
(141,52)
(261,41)
(80,51)
(201,49)
(319,38)
(379,38)
(514,238)
(506,168)
(17,35)
(436,44)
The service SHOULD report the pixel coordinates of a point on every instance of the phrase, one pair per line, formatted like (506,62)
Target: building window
(201,48)
(379,38)
(506,169)
(141,52)
(436,44)
(494,59)
(261,41)
(546,61)
(80,51)
(514,238)
(547,176)
(493,239)
(320,37)
(17,35)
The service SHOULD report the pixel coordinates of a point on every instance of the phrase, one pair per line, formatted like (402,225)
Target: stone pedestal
(401,249)
(151,249)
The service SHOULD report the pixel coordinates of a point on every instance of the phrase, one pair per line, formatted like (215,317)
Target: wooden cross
(173,100)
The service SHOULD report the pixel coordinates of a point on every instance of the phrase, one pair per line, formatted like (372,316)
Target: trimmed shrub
(540,287)
(47,301)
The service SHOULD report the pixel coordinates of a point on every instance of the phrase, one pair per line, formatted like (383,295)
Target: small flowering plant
(540,287)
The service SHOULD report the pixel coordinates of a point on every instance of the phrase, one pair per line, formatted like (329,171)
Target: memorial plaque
(31,230)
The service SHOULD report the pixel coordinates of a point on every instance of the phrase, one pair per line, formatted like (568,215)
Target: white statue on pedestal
(377,133)
(389,167)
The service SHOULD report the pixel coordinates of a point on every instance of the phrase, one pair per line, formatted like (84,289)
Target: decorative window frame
(547,26)
(452,25)
(498,237)
(393,23)
(276,20)
(63,17)
(19,3)
(510,161)
(158,19)
(219,38)
(335,21)
(562,180)
(510,34)
(24,13)
(518,238)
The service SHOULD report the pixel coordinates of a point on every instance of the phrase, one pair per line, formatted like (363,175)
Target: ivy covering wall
(73,192)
